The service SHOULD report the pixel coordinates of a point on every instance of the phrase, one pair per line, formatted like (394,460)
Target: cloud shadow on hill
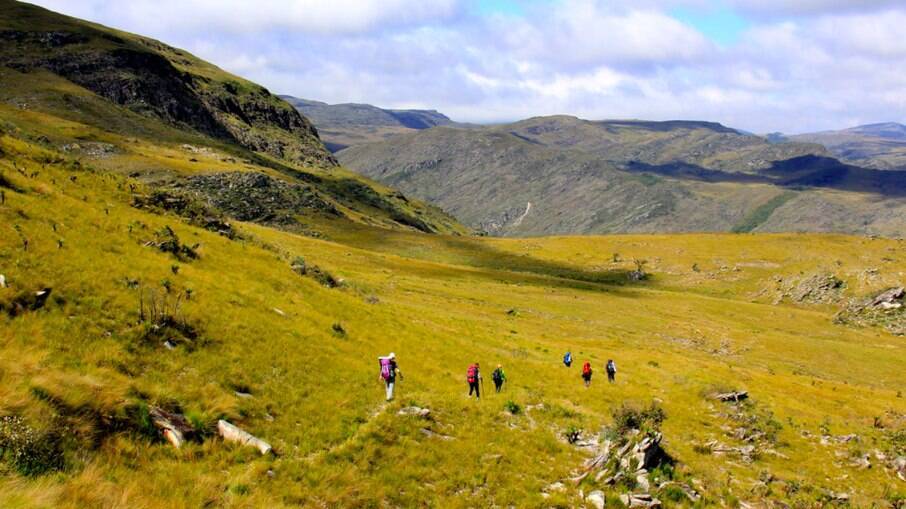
(805,171)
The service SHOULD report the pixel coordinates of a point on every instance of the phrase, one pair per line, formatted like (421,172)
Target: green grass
(762,213)
(440,303)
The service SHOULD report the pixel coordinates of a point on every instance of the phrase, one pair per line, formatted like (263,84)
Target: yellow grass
(440,303)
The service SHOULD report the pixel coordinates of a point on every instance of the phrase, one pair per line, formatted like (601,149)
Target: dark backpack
(497,376)
(472,375)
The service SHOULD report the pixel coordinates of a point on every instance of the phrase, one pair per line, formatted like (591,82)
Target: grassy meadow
(84,369)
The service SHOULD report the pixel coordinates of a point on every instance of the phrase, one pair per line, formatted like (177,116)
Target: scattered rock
(432,434)
(887,310)
(822,288)
(899,466)
(890,297)
(415,411)
(174,427)
(596,499)
(231,433)
(243,395)
(735,396)
(639,500)
(279,311)
(3,281)
(557,487)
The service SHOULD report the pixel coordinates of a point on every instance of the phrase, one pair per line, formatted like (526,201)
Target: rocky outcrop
(822,288)
(886,310)
(257,197)
(156,80)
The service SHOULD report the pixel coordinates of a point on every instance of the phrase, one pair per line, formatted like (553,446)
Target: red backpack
(586,368)
(472,375)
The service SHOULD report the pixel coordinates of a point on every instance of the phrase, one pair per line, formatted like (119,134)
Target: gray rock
(889,296)
(415,411)
(596,499)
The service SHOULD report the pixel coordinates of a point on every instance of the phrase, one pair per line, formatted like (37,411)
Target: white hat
(392,355)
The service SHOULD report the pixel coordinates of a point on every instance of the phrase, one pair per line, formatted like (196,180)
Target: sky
(758,65)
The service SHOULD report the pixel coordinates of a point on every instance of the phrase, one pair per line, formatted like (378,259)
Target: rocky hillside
(558,175)
(343,125)
(881,146)
(122,103)
(153,79)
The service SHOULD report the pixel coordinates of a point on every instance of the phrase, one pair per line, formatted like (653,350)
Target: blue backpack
(568,359)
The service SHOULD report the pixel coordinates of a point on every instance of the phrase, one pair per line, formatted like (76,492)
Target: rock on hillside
(154,79)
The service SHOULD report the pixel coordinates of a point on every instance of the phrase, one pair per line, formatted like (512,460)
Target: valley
(195,292)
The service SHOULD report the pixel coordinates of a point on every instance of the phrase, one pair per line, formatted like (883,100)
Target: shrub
(29,451)
(298,266)
(512,407)
(628,418)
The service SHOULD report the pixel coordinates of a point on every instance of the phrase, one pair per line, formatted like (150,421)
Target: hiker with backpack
(499,377)
(389,371)
(611,371)
(473,376)
(586,373)
(568,359)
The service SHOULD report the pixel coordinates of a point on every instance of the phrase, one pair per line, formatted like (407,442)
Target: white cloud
(244,16)
(822,65)
(811,7)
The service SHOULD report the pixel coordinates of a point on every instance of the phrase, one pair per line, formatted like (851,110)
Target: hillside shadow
(804,171)
(459,253)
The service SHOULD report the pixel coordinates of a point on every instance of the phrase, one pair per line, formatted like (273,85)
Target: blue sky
(759,65)
(721,24)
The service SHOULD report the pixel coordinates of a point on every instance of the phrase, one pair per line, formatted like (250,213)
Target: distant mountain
(561,175)
(881,146)
(344,125)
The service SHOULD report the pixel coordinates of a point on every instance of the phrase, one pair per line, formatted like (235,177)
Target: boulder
(890,297)
(733,396)
(174,427)
(415,411)
(596,499)
(231,433)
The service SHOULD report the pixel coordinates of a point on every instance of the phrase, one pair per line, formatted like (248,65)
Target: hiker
(611,370)
(389,370)
(499,377)
(586,373)
(473,376)
(568,359)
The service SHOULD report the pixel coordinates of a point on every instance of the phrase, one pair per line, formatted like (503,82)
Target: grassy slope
(441,302)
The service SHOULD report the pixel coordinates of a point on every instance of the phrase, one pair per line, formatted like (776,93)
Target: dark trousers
(473,386)
(498,385)
(611,376)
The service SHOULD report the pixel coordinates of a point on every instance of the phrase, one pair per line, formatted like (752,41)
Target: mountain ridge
(346,124)
(629,176)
